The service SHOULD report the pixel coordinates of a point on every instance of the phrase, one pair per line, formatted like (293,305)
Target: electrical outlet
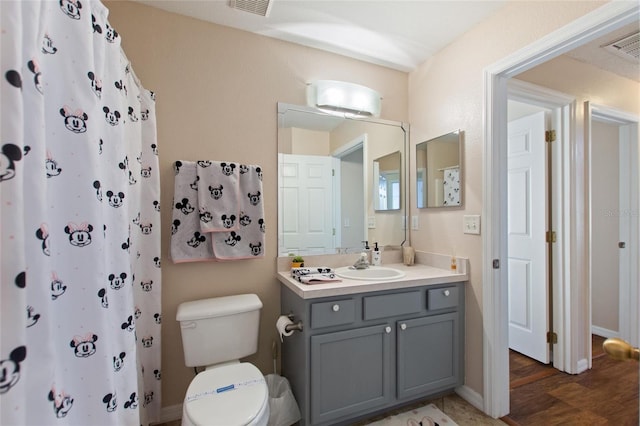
(471,224)
(414,223)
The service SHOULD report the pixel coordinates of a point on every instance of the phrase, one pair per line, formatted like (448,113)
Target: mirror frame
(283,107)
(460,138)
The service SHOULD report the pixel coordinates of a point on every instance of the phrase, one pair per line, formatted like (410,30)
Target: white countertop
(415,275)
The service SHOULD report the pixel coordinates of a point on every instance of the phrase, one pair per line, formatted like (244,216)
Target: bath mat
(429,415)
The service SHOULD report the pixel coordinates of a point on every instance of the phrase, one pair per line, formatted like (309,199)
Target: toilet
(216,333)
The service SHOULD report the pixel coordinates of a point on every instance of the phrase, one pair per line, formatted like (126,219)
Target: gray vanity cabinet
(350,372)
(427,351)
(365,353)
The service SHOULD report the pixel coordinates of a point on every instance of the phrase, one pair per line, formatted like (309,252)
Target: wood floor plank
(606,394)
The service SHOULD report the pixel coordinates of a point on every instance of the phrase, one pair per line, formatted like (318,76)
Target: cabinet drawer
(388,305)
(338,312)
(442,298)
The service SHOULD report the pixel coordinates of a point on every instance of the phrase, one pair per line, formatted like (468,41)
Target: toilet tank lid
(218,307)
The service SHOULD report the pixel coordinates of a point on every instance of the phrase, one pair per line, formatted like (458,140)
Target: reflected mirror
(439,171)
(386,182)
(326,201)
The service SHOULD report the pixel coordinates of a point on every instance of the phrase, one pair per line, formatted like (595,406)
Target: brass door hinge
(550,136)
(551,236)
(552,337)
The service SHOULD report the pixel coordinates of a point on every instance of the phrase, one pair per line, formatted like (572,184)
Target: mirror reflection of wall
(386,182)
(439,172)
(325,182)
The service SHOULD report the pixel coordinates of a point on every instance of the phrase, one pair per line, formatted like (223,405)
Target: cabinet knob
(446,292)
(403,326)
(387,329)
(336,308)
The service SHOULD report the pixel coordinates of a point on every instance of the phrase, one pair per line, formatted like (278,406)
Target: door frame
(603,20)
(562,110)
(628,316)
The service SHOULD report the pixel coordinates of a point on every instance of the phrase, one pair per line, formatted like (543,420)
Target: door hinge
(550,136)
(552,337)
(333,232)
(551,236)
(333,172)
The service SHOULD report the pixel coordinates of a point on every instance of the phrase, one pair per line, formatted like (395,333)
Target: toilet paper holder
(295,326)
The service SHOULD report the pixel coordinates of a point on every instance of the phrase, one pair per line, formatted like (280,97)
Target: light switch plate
(471,224)
(414,223)
(371,222)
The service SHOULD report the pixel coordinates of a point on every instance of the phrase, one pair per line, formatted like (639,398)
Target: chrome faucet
(362,262)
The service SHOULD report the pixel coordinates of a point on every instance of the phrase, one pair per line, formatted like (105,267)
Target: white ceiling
(399,34)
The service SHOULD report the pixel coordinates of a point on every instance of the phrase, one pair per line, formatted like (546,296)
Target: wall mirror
(386,182)
(439,171)
(326,201)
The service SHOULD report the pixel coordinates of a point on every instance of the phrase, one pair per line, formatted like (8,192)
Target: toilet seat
(229,395)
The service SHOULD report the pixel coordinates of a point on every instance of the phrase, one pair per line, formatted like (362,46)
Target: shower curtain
(79,222)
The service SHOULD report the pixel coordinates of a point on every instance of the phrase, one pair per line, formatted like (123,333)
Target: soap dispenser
(376,256)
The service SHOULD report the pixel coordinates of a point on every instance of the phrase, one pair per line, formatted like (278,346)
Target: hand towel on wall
(228,230)
(188,242)
(218,195)
(247,240)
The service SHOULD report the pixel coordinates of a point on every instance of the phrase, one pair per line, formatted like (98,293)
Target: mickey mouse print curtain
(80,308)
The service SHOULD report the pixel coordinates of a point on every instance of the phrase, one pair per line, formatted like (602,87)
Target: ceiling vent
(258,7)
(627,47)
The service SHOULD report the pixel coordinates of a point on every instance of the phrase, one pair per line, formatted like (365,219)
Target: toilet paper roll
(281,324)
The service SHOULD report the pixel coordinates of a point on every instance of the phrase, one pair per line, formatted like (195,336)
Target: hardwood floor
(541,395)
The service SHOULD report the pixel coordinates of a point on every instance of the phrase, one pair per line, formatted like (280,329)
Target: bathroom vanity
(369,346)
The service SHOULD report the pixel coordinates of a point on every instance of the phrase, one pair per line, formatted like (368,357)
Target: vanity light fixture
(344,98)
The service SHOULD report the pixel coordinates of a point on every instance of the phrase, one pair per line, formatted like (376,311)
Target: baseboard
(606,333)
(471,396)
(583,365)
(170,414)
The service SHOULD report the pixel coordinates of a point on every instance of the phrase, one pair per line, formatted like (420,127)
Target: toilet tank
(219,329)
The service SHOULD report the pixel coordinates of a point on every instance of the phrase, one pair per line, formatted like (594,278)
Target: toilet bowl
(229,395)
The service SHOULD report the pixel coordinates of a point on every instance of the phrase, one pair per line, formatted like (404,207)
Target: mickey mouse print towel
(218,212)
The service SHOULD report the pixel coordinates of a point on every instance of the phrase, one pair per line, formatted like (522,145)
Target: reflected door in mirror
(306,197)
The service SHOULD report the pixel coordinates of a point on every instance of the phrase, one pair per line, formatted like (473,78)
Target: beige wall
(217,90)
(586,83)
(446,93)
(310,142)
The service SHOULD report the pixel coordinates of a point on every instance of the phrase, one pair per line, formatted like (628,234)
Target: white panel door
(527,224)
(306,204)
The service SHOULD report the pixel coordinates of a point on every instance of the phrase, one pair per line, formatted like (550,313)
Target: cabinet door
(428,354)
(350,372)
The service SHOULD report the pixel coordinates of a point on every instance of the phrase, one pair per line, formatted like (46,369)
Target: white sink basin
(372,273)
